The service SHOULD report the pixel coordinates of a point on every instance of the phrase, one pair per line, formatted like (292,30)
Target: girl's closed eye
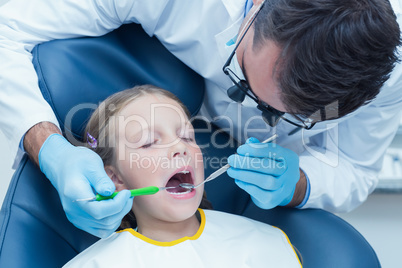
(149,144)
(186,135)
(188,138)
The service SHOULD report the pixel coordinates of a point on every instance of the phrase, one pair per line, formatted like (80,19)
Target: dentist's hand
(74,171)
(267,171)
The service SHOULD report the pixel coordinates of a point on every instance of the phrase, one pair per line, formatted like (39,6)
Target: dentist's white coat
(340,157)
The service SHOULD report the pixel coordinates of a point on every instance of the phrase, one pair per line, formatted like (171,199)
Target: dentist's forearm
(300,191)
(36,136)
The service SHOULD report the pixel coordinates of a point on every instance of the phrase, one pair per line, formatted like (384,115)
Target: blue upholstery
(86,71)
(34,231)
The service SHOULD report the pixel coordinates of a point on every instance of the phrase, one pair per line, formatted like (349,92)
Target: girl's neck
(169,231)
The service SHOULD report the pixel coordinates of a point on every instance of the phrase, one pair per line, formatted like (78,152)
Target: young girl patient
(145,139)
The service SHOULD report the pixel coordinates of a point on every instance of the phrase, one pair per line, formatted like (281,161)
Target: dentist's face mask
(235,67)
(239,91)
(241,88)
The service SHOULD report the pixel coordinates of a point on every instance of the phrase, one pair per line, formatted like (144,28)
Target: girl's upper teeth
(184,171)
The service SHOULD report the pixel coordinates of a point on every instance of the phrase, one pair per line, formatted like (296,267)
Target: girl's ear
(114,176)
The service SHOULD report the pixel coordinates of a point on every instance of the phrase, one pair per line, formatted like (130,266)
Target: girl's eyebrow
(141,131)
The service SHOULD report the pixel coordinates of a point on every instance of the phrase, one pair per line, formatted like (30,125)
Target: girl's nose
(178,150)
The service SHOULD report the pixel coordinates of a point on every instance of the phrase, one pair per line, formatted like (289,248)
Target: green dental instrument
(134,192)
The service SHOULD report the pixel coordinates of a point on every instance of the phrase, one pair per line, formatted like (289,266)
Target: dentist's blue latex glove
(74,171)
(267,171)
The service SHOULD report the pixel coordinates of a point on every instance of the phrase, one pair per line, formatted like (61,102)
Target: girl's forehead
(152,112)
(150,104)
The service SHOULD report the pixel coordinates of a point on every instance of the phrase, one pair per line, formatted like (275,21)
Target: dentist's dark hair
(333,51)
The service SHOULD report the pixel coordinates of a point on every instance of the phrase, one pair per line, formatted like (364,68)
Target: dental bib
(223,240)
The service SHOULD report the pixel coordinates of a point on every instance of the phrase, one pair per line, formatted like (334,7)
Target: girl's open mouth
(183,176)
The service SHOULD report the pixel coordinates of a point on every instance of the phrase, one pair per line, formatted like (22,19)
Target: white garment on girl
(223,240)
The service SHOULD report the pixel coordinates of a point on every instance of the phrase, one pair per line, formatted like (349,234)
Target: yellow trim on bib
(171,243)
(294,251)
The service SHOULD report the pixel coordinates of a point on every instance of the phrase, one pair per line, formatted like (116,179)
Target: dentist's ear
(114,176)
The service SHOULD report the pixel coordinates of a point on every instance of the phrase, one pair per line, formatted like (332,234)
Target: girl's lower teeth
(180,193)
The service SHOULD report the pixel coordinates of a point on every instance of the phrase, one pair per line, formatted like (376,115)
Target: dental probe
(220,171)
(134,192)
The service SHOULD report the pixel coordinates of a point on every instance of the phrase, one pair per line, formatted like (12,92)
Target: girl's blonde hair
(102,128)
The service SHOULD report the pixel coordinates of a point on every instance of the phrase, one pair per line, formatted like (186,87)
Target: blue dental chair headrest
(80,73)
(74,76)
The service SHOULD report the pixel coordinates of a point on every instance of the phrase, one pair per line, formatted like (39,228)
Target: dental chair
(74,76)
